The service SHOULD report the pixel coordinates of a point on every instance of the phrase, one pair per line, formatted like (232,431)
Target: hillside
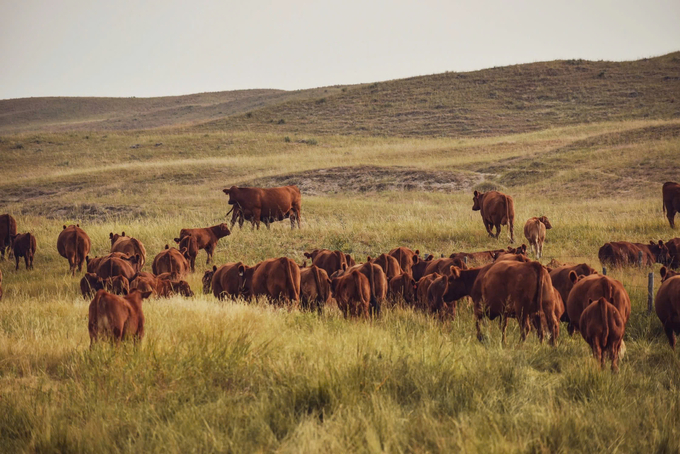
(493,101)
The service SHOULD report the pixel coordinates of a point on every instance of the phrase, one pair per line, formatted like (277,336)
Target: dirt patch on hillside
(372,179)
(85,211)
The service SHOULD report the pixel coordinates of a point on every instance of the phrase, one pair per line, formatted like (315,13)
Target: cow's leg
(488,226)
(504,327)
(670,214)
(542,326)
(478,318)
(597,350)
(511,228)
(670,334)
(72,265)
(571,328)
(297,216)
(615,357)
(27,261)
(555,330)
(16,258)
(2,251)
(209,249)
(256,217)
(498,230)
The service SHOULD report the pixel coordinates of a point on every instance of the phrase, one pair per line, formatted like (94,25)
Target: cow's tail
(293,292)
(371,280)
(229,212)
(605,321)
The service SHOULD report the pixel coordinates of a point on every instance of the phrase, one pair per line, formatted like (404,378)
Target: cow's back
(594,287)
(496,207)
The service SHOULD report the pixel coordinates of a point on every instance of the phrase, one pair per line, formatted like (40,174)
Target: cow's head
(311,255)
(223,230)
(660,251)
(207,280)
(477,201)
(666,273)
(231,192)
(544,220)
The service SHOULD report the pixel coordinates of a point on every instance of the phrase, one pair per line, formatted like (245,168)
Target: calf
(389,264)
(130,246)
(92,264)
(206,238)
(592,288)
(327,260)
(435,297)
(403,286)
(171,260)
(189,244)
(422,288)
(24,245)
(405,257)
(116,317)
(278,279)
(73,244)
(563,284)
(110,267)
(376,280)
(352,292)
(496,209)
(8,228)
(667,305)
(602,326)
(315,288)
(534,232)
(227,280)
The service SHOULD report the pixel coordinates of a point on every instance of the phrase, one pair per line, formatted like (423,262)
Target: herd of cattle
(502,284)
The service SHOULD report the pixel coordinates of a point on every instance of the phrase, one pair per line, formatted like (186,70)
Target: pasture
(239,377)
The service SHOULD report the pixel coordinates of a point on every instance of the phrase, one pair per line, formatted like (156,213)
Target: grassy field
(238,377)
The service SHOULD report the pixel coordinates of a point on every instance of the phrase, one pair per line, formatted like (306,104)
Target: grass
(239,377)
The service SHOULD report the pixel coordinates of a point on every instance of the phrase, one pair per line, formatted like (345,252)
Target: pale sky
(173,47)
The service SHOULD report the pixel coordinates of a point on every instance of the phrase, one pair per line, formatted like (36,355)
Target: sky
(147,48)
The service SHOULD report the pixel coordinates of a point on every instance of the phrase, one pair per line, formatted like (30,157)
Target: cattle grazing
(206,238)
(523,291)
(667,274)
(403,286)
(496,209)
(315,288)
(376,279)
(130,246)
(563,284)
(602,326)
(8,228)
(226,281)
(278,279)
(389,264)
(674,253)
(189,244)
(352,292)
(266,204)
(592,288)
(422,288)
(534,232)
(671,201)
(405,257)
(74,245)
(170,260)
(92,264)
(435,297)
(329,261)
(110,267)
(89,285)
(163,286)
(623,253)
(117,317)
(667,305)
(24,245)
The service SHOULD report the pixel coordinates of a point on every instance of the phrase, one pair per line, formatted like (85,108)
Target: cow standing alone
(496,209)
(266,204)
(671,201)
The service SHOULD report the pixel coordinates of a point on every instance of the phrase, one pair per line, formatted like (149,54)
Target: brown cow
(403,286)
(443,266)
(534,232)
(227,280)
(92,264)
(266,204)
(350,261)
(116,316)
(315,288)
(189,244)
(496,209)
(423,287)
(477,258)
(602,326)
(352,291)
(74,245)
(667,305)
(376,280)
(206,238)
(130,246)
(8,228)
(671,201)
(435,297)
(24,245)
(110,267)
(389,264)
(563,284)
(594,287)
(170,260)
(523,291)
(278,279)
(329,261)
(623,253)
(406,257)
(667,274)
(89,285)
(163,286)
(418,270)
(674,252)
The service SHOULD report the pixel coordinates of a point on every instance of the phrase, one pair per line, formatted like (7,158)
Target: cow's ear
(63,227)
(663,271)
(214,268)
(476,193)
(226,191)
(660,243)
(572,276)
(241,270)
(455,271)
(122,233)
(167,246)
(146,295)
(652,243)
(110,235)
(176,240)
(308,255)
(368,259)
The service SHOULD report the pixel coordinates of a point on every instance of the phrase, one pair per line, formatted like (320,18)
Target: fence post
(604,270)
(650,292)
(465,260)
(640,259)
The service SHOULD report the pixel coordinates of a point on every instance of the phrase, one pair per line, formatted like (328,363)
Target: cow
(602,326)
(671,201)
(89,284)
(190,245)
(423,287)
(163,286)
(227,280)
(667,305)
(592,288)
(92,264)
(389,264)
(512,251)
(496,209)
(110,267)
(170,260)
(403,286)
(74,245)
(8,228)
(443,266)
(278,279)
(667,274)
(673,246)
(534,232)
(315,288)
(24,245)
(206,238)
(418,270)
(329,261)
(563,284)
(406,257)
(477,258)
(376,279)
(266,204)
(522,290)
(130,246)
(118,317)
(623,253)
(352,292)
(435,297)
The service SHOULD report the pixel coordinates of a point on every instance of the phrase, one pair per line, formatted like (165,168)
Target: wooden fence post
(465,260)
(650,292)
